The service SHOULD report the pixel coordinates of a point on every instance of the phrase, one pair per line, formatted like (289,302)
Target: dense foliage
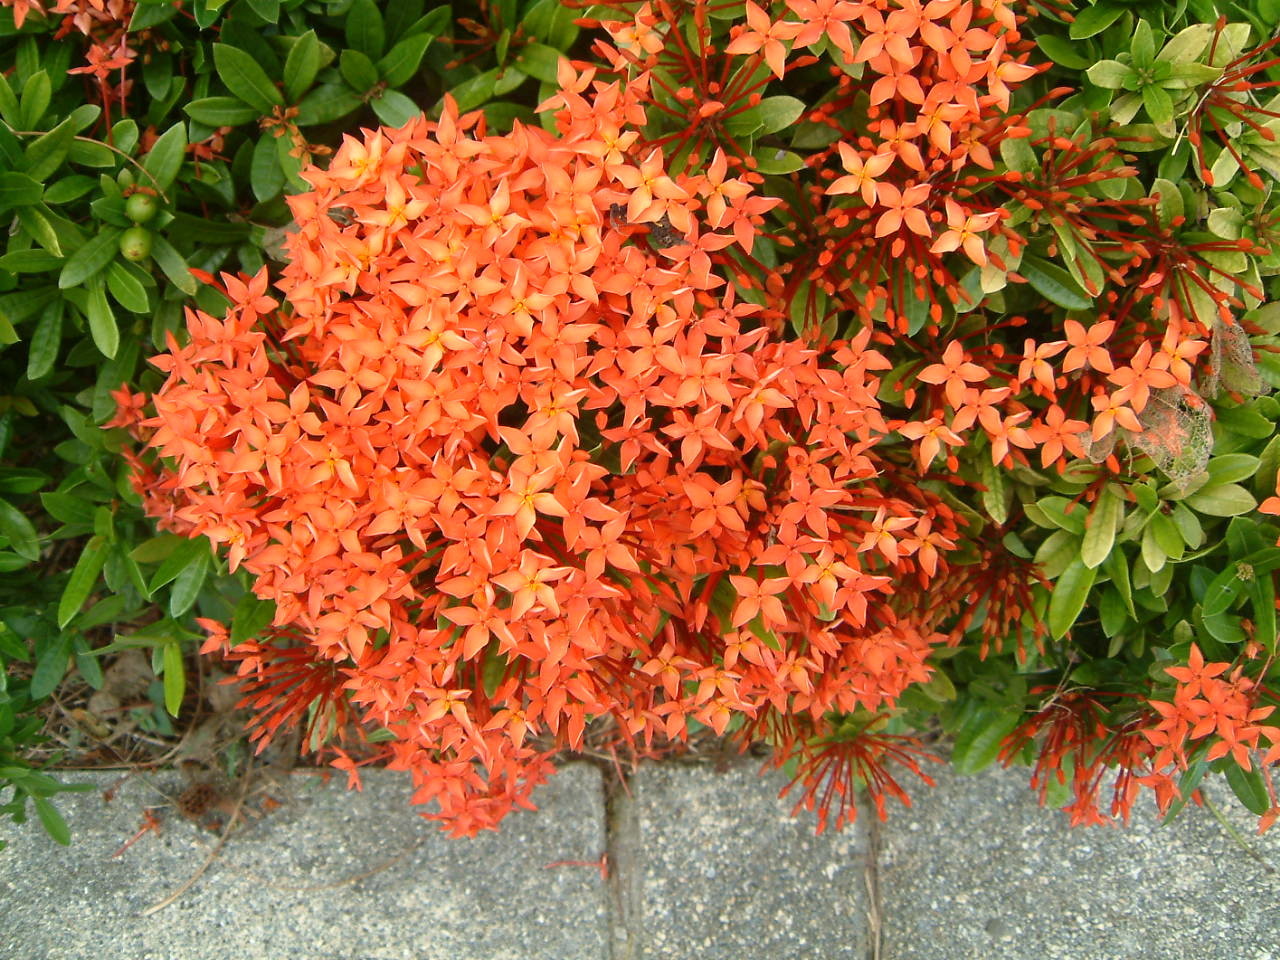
(821,372)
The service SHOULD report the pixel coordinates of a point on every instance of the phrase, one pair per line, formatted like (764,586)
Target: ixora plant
(819,373)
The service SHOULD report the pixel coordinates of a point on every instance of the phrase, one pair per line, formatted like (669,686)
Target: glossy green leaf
(1062,52)
(221,111)
(1100,527)
(1249,787)
(173,265)
(301,66)
(768,116)
(91,258)
(175,678)
(51,667)
(18,530)
(365,29)
(83,578)
(1054,284)
(246,79)
(265,176)
(402,61)
(1090,21)
(1222,500)
(46,341)
(187,584)
(102,320)
(394,108)
(251,617)
(164,159)
(358,70)
(1070,593)
(540,61)
(18,189)
(52,821)
(327,103)
(980,738)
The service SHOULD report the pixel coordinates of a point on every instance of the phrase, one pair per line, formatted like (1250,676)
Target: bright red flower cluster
(513,457)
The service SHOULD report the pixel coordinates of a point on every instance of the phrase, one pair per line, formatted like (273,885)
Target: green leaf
(768,116)
(182,556)
(365,30)
(1093,20)
(51,667)
(172,265)
(779,162)
(220,111)
(552,23)
(993,494)
(46,341)
(981,736)
(1142,45)
(473,92)
(246,79)
(301,66)
(17,529)
(1187,45)
(1222,591)
(1249,788)
(35,220)
(19,190)
(1054,284)
(36,94)
(402,61)
(102,320)
(268,10)
(1117,568)
(265,176)
(1110,74)
(1100,527)
(1222,500)
(1158,103)
(1070,592)
(52,821)
(1262,593)
(1232,468)
(1062,52)
(175,678)
(164,159)
(540,61)
(83,577)
(358,70)
(1017,155)
(394,108)
(127,288)
(187,584)
(90,259)
(251,617)
(327,103)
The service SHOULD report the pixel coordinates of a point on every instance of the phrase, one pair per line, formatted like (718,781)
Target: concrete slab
(317,879)
(728,874)
(976,869)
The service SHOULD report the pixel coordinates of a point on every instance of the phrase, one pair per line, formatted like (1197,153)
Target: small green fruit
(140,207)
(135,244)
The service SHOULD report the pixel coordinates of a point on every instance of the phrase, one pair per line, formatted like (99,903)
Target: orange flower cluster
(513,457)
(1217,700)
(106,24)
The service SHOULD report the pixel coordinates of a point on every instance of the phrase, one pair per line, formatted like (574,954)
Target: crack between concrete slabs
(871,876)
(622,847)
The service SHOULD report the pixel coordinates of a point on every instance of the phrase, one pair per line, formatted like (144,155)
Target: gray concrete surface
(705,864)
(728,874)
(282,889)
(977,870)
